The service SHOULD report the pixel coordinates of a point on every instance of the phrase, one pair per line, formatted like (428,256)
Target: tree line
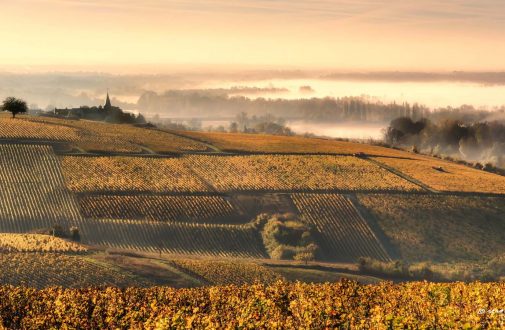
(481,141)
(201,104)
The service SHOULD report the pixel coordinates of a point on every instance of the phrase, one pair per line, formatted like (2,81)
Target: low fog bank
(220,103)
(73,89)
(487,78)
(452,134)
(343,130)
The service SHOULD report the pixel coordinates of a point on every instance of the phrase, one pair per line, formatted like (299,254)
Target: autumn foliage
(345,304)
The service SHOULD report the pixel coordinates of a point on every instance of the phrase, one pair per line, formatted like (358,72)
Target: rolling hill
(135,189)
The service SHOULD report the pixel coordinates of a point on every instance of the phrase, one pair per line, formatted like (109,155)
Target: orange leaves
(95,174)
(453,177)
(99,136)
(277,306)
(294,172)
(37,243)
(229,272)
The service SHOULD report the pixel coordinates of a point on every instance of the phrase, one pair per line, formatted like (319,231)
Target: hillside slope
(33,194)
(161,192)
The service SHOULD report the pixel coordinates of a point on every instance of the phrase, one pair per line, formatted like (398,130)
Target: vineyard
(33,193)
(229,272)
(24,129)
(440,228)
(240,241)
(198,209)
(205,205)
(341,305)
(446,176)
(281,172)
(104,174)
(102,137)
(344,233)
(233,173)
(239,142)
(50,269)
(37,243)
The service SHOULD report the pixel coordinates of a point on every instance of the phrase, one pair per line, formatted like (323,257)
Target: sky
(423,35)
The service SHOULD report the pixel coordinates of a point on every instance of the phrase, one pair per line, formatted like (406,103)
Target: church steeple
(108,105)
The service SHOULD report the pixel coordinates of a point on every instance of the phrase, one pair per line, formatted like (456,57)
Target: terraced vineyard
(345,235)
(126,174)
(198,209)
(283,172)
(441,228)
(31,130)
(40,270)
(447,176)
(262,143)
(240,241)
(32,190)
(102,137)
(37,243)
(230,173)
(201,204)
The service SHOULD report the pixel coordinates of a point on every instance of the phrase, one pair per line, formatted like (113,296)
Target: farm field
(197,209)
(345,234)
(315,275)
(195,215)
(228,173)
(440,228)
(95,136)
(151,270)
(453,178)
(54,269)
(32,130)
(261,143)
(53,256)
(289,172)
(281,305)
(32,190)
(227,241)
(221,272)
(37,243)
(126,174)
(107,137)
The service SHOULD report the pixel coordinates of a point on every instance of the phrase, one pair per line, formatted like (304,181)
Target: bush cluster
(492,270)
(286,237)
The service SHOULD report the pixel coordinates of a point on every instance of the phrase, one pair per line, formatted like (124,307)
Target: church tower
(107,105)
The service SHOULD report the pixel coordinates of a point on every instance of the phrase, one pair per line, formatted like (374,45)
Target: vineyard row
(32,190)
(200,173)
(176,238)
(41,270)
(345,234)
(202,209)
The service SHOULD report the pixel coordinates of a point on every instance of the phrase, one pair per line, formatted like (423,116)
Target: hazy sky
(339,34)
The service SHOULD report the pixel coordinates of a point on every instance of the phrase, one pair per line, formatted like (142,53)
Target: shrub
(285,236)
